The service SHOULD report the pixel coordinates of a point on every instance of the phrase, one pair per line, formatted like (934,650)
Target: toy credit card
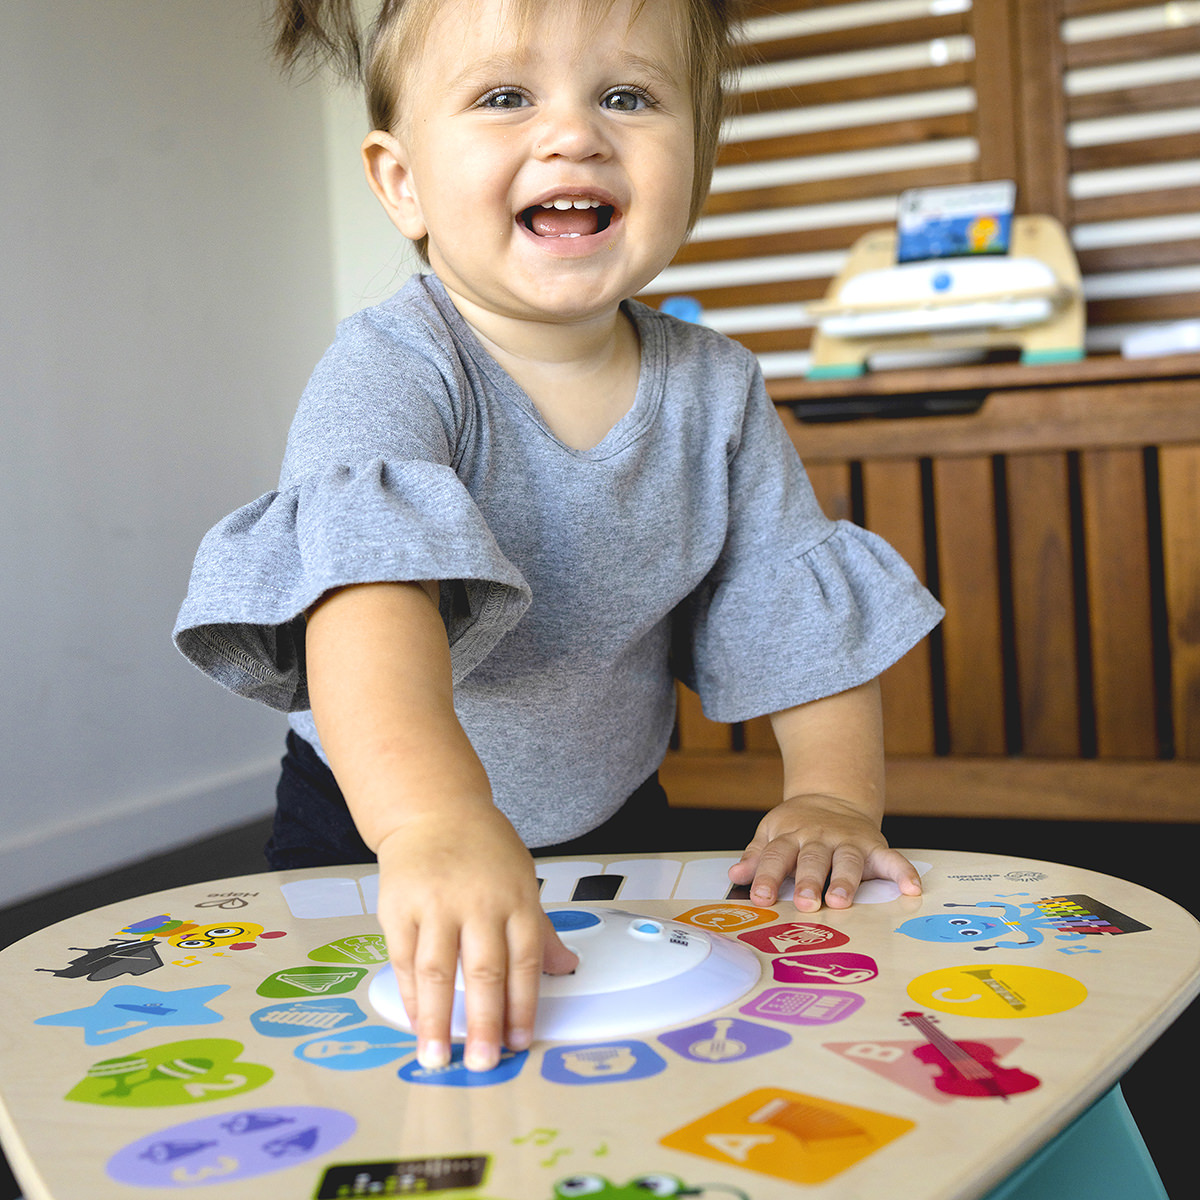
(952,222)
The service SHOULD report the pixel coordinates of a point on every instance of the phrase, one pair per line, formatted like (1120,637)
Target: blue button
(564,919)
(942,281)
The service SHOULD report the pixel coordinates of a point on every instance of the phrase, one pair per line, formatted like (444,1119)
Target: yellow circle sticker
(997,990)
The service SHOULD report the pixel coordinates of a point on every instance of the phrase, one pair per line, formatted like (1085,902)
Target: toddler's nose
(569,131)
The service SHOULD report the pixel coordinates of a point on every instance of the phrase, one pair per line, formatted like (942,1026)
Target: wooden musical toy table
(218,1038)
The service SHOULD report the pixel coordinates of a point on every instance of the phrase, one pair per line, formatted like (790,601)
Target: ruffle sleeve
(787,630)
(258,571)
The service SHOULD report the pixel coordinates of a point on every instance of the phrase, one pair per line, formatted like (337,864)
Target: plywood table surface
(218,1038)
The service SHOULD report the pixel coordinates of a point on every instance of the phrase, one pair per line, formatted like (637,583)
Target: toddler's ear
(385,164)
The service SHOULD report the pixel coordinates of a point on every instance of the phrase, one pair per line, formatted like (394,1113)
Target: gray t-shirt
(575,584)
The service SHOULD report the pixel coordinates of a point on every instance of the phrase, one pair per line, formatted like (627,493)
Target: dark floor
(1161,857)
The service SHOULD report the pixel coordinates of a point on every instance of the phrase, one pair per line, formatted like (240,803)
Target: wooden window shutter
(1131,83)
(1092,106)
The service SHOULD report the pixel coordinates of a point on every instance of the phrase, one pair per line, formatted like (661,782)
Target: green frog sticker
(596,1187)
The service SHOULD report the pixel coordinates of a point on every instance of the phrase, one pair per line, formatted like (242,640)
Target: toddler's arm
(828,826)
(454,878)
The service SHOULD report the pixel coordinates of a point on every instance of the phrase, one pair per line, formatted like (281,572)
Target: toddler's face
(551,167)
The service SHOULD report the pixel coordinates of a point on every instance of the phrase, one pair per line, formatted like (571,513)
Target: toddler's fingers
(434,967)
(402,947)
(845,875)
(891,864)
(533,948)
(486,970)
(743,871)
(812,871)
(774,865)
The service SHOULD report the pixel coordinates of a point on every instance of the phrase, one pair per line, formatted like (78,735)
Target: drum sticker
(840,967)
(125,1010)
(358,1049)
(1007,990)
(174,1073)
(225,1147)
(793,936)
(604,1062)
(455,1073)
(311,981)
(798,1006)
(1077,919)
(411,1176)
(725,1039)
(789,1136)
(303,1018)
(727,918)
(941,1068)
(116,958)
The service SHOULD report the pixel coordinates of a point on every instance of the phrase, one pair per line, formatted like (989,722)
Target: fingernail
(433,1055)
(481,1058)
(519,1039)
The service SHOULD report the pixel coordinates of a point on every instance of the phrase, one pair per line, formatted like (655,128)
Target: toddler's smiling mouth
(567,217)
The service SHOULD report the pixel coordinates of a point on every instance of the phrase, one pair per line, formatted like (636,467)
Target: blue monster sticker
(1070,918)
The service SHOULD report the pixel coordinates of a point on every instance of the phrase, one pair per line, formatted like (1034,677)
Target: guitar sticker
(841,968)
(724,1039)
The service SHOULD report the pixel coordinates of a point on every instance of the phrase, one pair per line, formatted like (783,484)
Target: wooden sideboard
(1054,510)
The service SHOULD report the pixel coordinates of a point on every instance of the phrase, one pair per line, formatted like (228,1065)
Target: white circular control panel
(634,973)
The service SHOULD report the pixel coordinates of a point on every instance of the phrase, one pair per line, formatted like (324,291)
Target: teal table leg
(1099,1157)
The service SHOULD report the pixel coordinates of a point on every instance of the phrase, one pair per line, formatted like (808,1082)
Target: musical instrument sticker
(1008,990)
(798,1138)
(221,1148)
(187,1072)
(966,1069)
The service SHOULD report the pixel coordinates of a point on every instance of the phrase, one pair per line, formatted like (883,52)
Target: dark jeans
(313,827)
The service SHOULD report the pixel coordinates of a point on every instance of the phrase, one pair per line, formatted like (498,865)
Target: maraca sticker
(187,1072)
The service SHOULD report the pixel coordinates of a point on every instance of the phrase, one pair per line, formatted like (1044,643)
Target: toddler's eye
(625,100)
(503,98)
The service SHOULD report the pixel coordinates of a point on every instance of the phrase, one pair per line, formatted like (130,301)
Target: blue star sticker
(126,1010)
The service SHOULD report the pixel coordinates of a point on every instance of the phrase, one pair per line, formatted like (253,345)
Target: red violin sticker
(966,1068)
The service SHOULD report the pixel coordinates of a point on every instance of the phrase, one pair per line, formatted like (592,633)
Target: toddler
(516,505)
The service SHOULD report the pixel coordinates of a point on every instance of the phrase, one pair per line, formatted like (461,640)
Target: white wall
(169,277)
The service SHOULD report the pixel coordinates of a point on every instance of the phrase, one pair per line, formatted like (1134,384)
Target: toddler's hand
(819,839)
(463,886)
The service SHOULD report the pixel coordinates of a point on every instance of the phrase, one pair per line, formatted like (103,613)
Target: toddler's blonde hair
(327,31)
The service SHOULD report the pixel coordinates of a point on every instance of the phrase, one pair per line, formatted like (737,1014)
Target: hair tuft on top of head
(319,32)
